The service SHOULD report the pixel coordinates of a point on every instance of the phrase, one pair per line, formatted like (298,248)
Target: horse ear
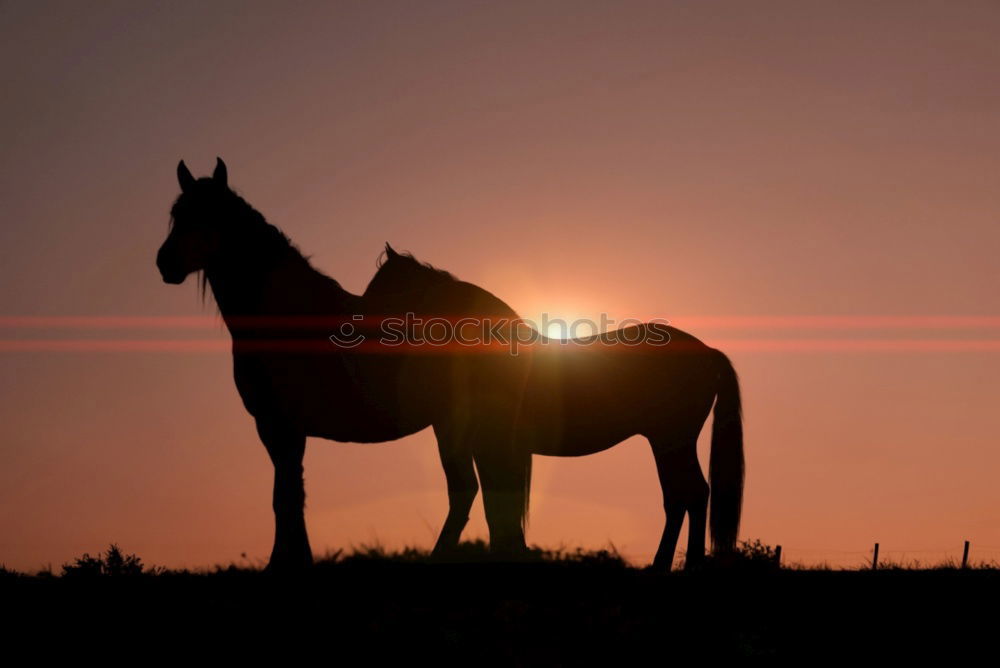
(389,250)
(184,176)
(221,175)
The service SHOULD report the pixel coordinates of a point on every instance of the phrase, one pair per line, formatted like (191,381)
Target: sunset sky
(812,187)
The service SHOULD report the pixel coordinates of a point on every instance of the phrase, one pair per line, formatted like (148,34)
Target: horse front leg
(460,474)
(286,448)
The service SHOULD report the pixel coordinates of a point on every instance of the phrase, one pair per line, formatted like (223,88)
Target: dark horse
(306,364)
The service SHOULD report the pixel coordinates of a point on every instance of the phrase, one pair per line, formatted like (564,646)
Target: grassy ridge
(554,608)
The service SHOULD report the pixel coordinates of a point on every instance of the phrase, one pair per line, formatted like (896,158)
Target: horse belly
(581,403)
(575,421)
(570,441)
(312,394)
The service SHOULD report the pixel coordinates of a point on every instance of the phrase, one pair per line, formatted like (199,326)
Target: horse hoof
(281,565)
(286,569)
(450,553)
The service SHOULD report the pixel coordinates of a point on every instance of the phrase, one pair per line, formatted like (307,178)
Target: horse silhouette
(306,363)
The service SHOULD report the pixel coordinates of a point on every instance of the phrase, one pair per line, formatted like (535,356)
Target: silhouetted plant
(113,563)
(609,557)
(474,551)
(748,556)
(755,551)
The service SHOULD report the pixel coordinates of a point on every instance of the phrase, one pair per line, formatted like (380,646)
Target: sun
(569,328)
(557,330)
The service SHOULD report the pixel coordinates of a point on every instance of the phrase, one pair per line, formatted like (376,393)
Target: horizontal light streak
(688,323)
(915,333)
(323,346)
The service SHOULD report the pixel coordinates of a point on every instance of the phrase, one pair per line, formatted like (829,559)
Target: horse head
(199,220)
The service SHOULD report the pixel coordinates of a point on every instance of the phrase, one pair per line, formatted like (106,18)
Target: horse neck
(268,277)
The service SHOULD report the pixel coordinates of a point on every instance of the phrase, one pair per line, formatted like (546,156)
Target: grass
(555,607)
(751,557)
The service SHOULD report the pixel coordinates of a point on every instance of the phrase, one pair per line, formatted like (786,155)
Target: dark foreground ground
(577,609)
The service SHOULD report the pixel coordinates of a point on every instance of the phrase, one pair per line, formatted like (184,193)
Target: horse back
(586,395)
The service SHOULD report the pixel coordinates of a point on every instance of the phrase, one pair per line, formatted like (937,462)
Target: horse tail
(526,481)
(726,466)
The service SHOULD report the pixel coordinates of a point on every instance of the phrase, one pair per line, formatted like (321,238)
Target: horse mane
(249,218)
(398,271)
(263,237)
(426,268)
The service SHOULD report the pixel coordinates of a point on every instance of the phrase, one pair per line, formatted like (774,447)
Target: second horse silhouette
(311,359)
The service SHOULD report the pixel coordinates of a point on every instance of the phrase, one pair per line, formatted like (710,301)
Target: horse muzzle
(171,275)
(173,278)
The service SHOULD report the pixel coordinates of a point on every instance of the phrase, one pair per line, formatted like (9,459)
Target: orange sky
(641,159)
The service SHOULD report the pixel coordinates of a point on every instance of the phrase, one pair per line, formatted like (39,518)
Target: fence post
(777,556)
(965,555)
(875,558)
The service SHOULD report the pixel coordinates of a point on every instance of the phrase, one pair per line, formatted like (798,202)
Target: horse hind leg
(502,473)
(684,491)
